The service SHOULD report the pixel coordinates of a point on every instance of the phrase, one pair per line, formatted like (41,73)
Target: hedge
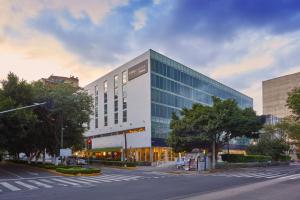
(240,158)
(284,158)
(116,163)
(41,165)
(298,155)
(78,170)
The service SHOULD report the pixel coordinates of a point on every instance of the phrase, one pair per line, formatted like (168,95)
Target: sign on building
(138,70)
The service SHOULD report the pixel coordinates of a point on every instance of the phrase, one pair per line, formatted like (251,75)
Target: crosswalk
(53,181)
(261,174)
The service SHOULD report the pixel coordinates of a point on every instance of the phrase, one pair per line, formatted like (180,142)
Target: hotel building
(134,104)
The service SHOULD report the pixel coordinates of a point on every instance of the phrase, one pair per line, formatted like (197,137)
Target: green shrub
(116,163)
(284,158)
(78,170)
(240,158)
(298,155)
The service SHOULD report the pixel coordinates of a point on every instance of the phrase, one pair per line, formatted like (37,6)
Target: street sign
(65,152)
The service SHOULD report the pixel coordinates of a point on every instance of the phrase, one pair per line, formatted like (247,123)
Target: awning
(106,149)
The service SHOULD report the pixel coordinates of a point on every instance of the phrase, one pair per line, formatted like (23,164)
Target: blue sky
(238,42)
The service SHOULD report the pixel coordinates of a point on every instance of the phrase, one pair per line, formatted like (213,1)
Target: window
(124,115)
(96,123)
(116,118)
(105,103)
(124,77)
(105,97)
(96,106)
(124,103)
(116,106)
(105,86)
(105,109)
(105,121)
(116,78)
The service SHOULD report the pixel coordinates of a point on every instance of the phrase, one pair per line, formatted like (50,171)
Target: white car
(81,161)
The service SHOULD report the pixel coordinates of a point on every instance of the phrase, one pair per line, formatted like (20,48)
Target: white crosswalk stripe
(266,174)
(9,186)
(50,182)
(31,187)
(66,182)
(40,184)
(76,181)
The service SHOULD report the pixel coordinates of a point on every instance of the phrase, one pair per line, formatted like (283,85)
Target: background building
(275,93)
(54,80)
(134,104)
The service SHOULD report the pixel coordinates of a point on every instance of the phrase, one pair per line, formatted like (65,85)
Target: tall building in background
(134,104)
(54,80)
(275,93)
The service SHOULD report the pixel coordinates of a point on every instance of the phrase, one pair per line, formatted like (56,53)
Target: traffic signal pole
(24,107)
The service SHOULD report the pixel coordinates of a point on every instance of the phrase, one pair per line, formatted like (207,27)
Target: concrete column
(166,155)
(151,154)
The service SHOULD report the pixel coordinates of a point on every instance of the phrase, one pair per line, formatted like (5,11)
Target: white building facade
(133,106)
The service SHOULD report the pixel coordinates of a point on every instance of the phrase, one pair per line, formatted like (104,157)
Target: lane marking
(31,187)
(51,182)
(288,177)
(16,179)
(9,186)
(40,184)
(76,181)
(66,182)
(89,180)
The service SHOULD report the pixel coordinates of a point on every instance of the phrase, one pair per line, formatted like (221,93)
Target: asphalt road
(17,182)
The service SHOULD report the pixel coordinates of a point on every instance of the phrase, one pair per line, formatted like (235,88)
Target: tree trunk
(44,156)
(228,147)
(213,164)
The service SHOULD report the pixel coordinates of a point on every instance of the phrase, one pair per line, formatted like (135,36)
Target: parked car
(81,161)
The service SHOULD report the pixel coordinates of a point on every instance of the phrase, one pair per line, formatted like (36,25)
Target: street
(19,182)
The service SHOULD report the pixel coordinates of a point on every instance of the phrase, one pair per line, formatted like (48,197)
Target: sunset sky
(237,42)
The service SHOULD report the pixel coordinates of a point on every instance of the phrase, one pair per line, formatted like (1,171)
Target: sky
(237,42)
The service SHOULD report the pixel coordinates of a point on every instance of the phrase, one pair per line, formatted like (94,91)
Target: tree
(291,124)
(271,143)
(31,131)
(212,127)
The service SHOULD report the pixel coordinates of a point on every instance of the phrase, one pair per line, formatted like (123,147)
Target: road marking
(31,187)
(9,186)
(76,181)
(296,177)
(40,184)
(66,182)
(89,180)
(112,178)
(17,179)
(289,177)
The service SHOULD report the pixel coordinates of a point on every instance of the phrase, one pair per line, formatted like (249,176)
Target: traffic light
(89,144)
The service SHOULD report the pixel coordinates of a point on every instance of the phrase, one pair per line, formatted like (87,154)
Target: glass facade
(175,86)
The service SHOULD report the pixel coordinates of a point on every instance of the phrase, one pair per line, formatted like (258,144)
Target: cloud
(239,43)
(140,19)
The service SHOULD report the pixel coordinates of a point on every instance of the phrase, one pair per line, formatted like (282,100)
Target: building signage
(138,70)
(65,152)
